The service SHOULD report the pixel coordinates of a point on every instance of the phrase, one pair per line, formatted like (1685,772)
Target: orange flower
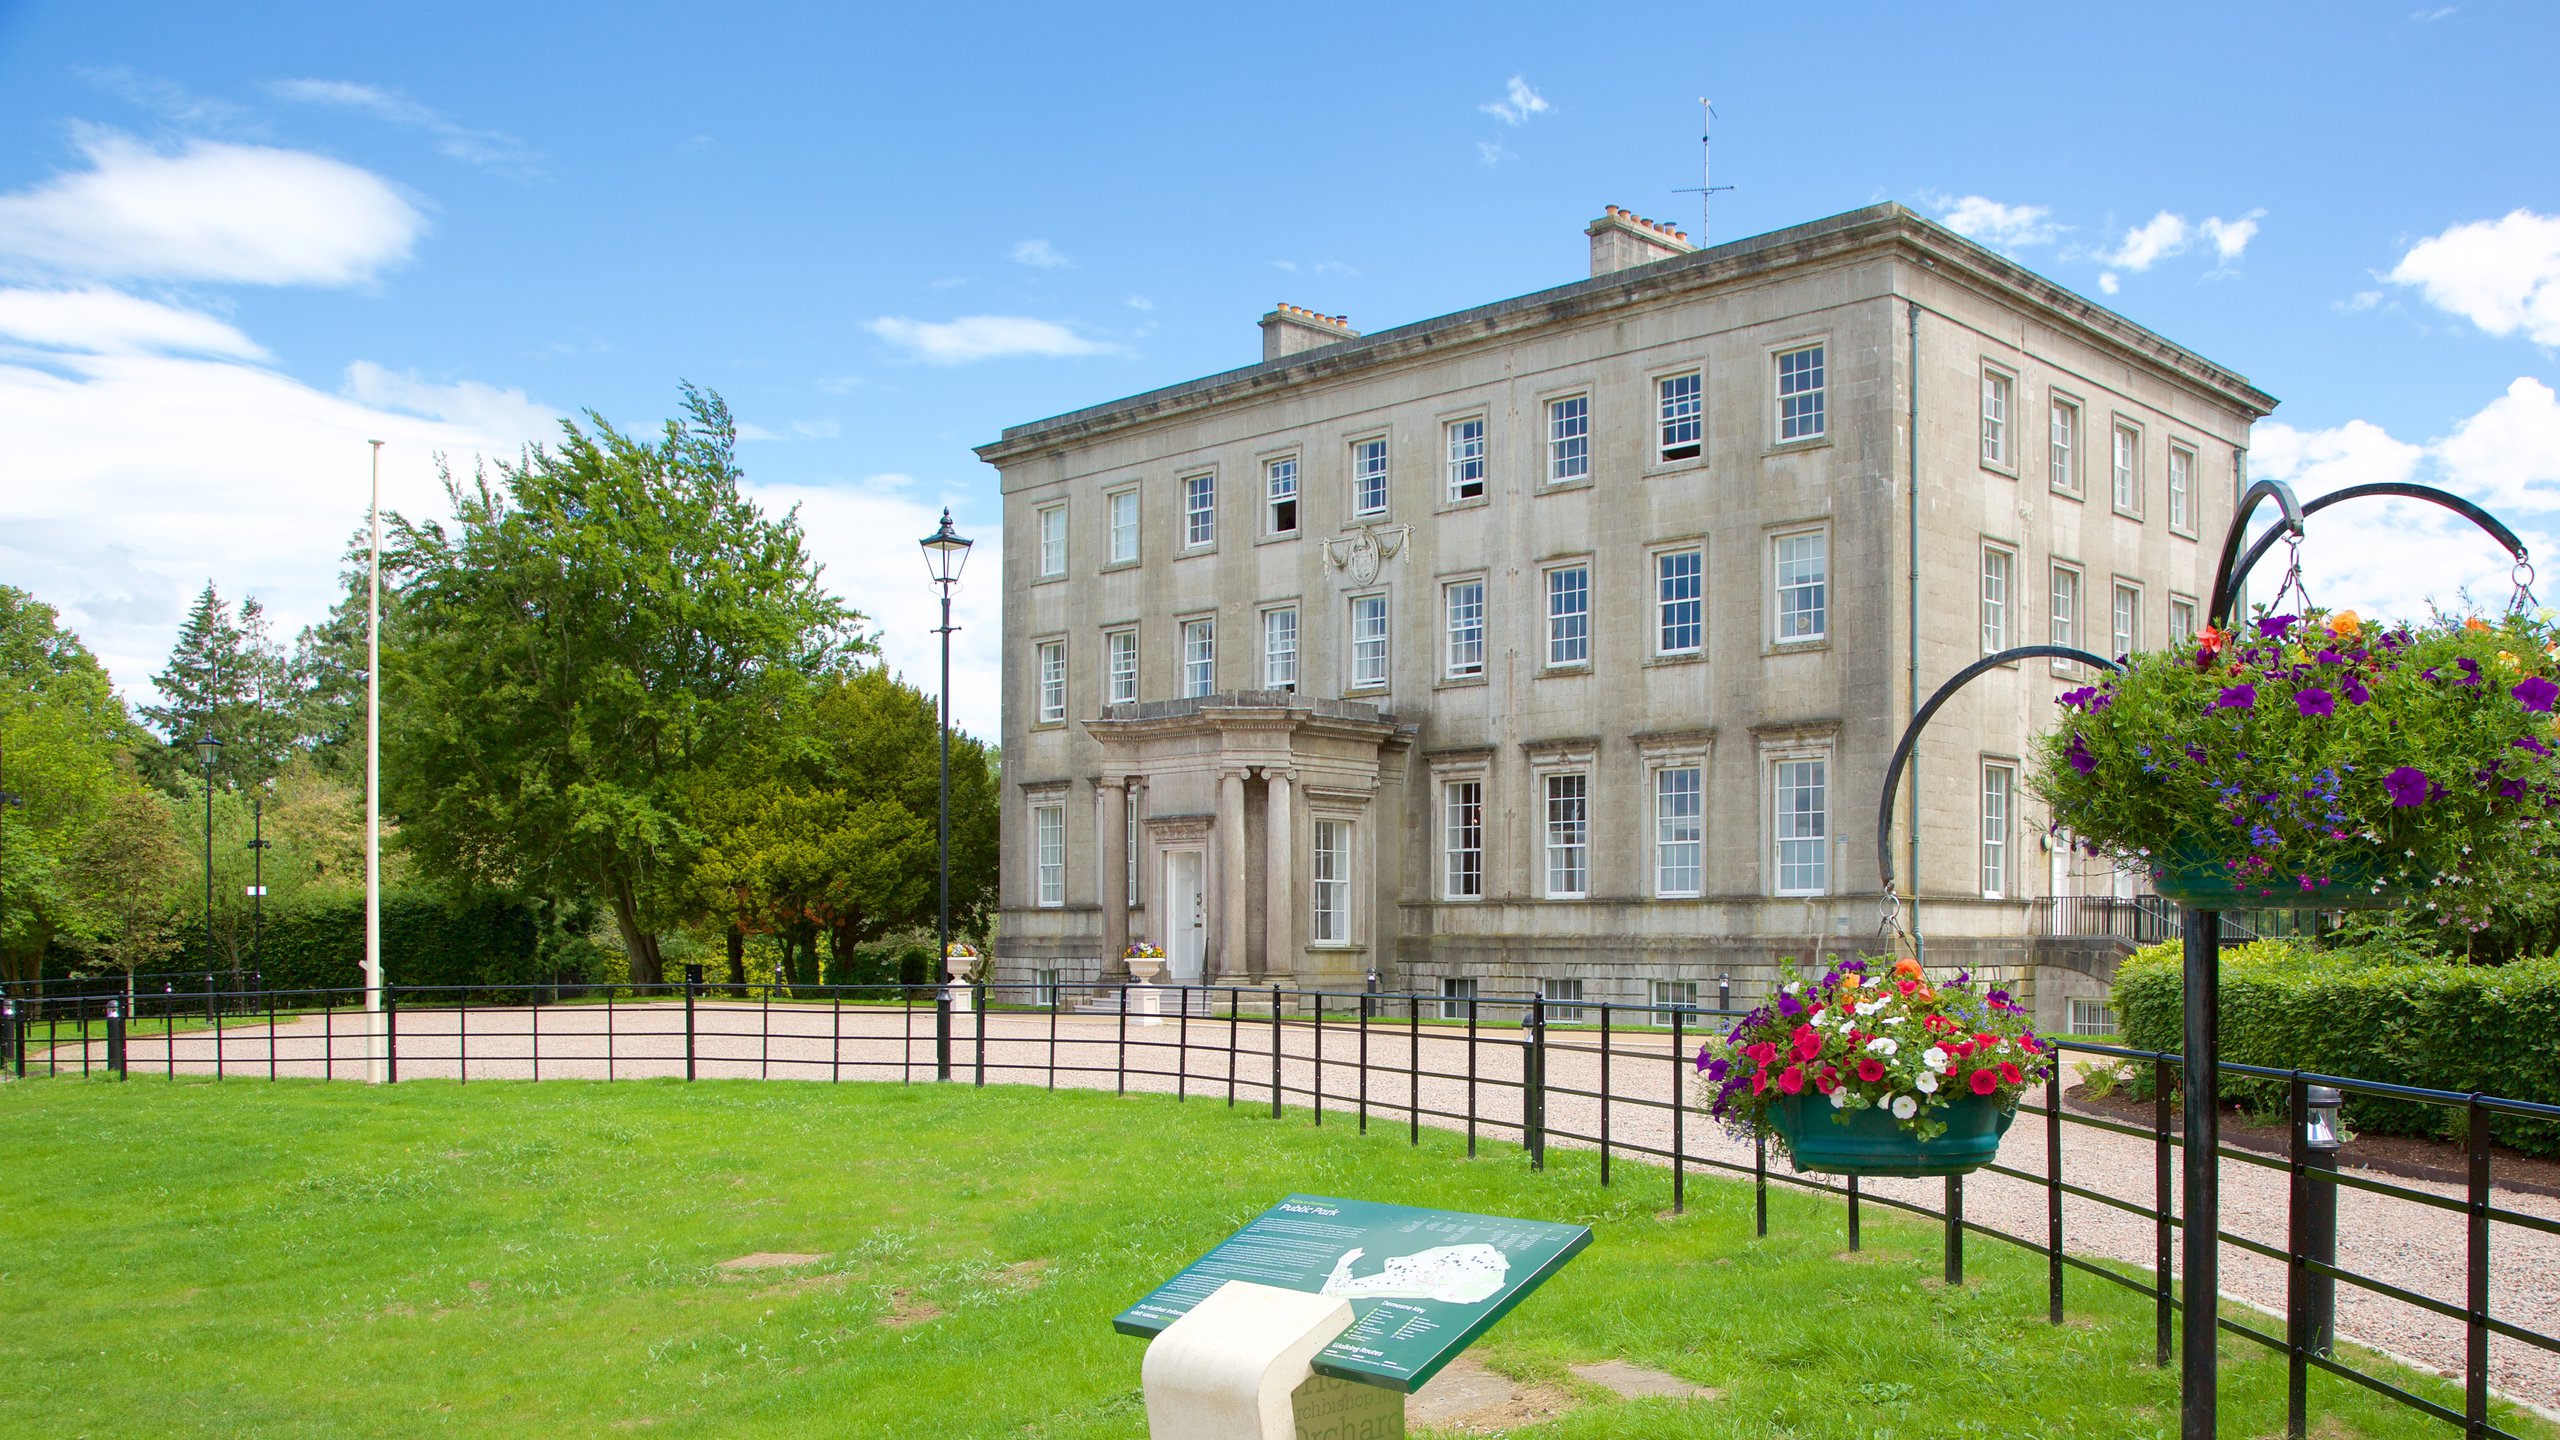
(2476,623)
(2345,625)
(1907,966)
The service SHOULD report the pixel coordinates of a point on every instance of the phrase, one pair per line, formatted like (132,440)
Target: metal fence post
(2053,1188)
(1760,1184)
(1853,1214)
(1533,1075)
(1955,1230)
(2160,1212)
(2199,1357)
(12,1053)
(1724,994)
(1318,1085)
(978,1029)
(1679,1112)
(115,1039)
(2323,1140)
(390,1034)
(2475,1349)
(1275,1052)
(692,988)
(1604,1093)
(1413,1070)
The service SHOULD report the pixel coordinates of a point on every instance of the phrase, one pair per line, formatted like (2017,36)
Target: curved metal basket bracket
(2228,579)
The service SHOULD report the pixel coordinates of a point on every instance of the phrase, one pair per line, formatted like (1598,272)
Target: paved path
(2406,1243)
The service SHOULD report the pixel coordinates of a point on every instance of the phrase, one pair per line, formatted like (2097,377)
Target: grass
(293,1260)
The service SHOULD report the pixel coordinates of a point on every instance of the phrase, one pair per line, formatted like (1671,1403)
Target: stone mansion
(1559,645)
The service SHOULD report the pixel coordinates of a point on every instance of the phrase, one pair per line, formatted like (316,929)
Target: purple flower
(2407,787)
(2356,693)
(2076,699)
(2196,753)
(2079,756)
(2275,626)
(1715,1068)
(2330,657)
(2236,697)
(2511,789)
(2315,702)
(2536,694)
(1790,1006)
(2470,670)
(2527,742)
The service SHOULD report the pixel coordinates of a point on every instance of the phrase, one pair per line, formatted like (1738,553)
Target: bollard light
(2320,1118)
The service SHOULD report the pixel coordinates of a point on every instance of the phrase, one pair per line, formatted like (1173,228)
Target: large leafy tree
(877,737)
(133,864)
(598,625)
(228,678)
(64,739)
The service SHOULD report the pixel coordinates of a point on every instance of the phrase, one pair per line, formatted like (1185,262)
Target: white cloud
(2430,16)
(2502,275)
(971,338)
(208,211)
(167,99)
(817,429)
(2008,226)
(490,150)
(2230,237)
(505,416)
(1518,104)
(100,321)
(1139,302)
(2164,234)
(1493,152)
(1039,255)
(2395,556)
(1314,267)
(2357,303)
(2108,284)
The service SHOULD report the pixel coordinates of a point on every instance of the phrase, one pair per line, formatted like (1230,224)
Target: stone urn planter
(1146,969)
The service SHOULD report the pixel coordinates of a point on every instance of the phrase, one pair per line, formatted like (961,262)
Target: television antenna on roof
(1706,189)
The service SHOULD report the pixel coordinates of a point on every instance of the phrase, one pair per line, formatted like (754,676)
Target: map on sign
(1423,1284)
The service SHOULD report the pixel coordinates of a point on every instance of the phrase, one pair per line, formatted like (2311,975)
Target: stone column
(1231,879)
(1113,891)
(1279,870)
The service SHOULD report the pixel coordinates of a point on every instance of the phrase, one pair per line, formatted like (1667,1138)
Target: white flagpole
(377,1050)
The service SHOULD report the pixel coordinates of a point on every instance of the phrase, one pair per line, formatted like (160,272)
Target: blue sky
(232,250)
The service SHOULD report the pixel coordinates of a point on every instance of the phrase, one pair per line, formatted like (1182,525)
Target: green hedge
(2445,1026)
(426,940)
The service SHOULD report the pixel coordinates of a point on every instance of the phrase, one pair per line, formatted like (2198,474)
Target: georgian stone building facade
(1560,644)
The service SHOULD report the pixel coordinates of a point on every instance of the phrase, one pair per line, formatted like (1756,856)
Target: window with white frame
(1996,387)
(1053,541)
(2062,455)
(1569,439)
(1280,487)
(1053,681)
(1684,415)
(1046,986)
(1668,996)
(1680,606)
(2182,472)
(1999,783)
(1120,667)
(1330,866)
(1199,511)
(1199,657)
(1564,1000)
(1568,836)
(1800,394)
(1124,527)
(2066,607)
(1802,573)
(2126,453)
(1368,641)
(1466,459)
(2182,618)
(2090,1016)
(2126,612)
(1280,648)
(1569,615)
(1465,607)
(1800,828)
(1049,853)
(1457,997)
(1369,477)
(1679,831)
(1462,839)
(1996,562)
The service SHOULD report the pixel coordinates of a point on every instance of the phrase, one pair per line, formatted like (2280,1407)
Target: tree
(797,864)
(134,865)
(878,737)
(226,678)
(65,737)
(328,673)
(603,620)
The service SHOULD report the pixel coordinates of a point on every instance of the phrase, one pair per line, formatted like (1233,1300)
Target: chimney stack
(1623,238)
(1290,329)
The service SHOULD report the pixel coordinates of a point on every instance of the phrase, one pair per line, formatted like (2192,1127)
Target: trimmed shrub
(2494,1030)
(426,940)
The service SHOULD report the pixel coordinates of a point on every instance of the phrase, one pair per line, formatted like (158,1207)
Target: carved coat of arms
(1363,552)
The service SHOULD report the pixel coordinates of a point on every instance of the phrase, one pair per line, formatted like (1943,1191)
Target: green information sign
(1423,1284)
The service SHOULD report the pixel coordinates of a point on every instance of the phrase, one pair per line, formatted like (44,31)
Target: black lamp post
(208,750)
(945,555)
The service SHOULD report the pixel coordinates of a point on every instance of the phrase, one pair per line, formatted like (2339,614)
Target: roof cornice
(1886,229)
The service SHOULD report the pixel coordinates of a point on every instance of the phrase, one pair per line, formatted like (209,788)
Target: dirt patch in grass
(766,1260)
(1468,1399)
(1023,1274)
(906,1312)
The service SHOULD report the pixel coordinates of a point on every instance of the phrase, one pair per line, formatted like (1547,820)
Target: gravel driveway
(2417,1247)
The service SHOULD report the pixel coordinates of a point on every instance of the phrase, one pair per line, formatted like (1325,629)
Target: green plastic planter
(1871,1142)
(2200,883)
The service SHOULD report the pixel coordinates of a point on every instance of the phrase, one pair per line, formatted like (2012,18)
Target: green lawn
(537,1260)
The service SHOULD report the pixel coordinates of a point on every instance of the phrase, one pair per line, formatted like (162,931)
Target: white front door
(1186,917)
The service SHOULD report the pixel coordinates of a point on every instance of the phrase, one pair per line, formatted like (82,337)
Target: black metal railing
(2151,919)
(1487,1067)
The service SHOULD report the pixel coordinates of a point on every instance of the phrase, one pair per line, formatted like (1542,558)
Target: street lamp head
(206,749)
(946,552)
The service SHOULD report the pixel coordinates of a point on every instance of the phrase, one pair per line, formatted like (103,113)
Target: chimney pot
(1621,238)
(1289,329)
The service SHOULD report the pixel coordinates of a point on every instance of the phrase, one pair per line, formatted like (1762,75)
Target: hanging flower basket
(2321,762)
(1875,1070)
(1872,1142)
